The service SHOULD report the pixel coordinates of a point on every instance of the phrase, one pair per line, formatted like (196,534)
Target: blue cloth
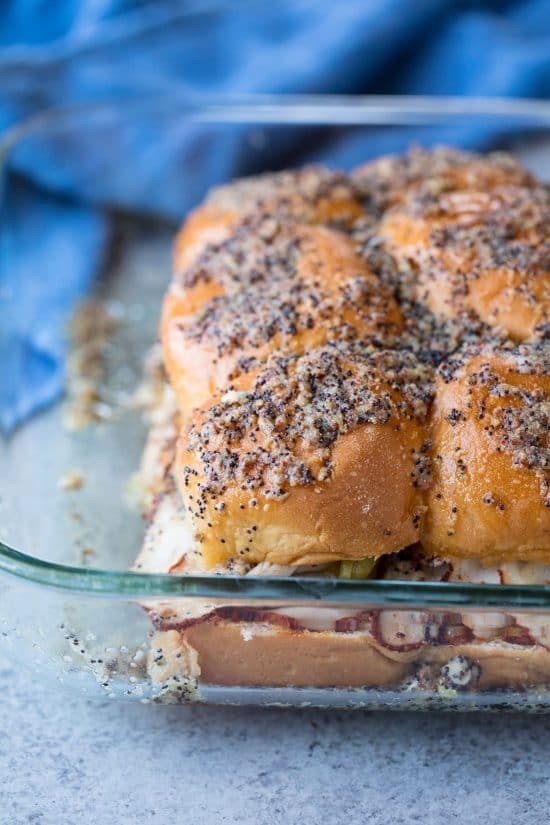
(54,228)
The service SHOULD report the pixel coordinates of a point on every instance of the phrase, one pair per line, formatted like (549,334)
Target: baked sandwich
(357,385)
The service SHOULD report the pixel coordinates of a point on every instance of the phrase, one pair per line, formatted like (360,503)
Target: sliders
(359,374)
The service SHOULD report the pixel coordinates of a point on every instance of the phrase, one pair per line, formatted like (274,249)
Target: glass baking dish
(70,611)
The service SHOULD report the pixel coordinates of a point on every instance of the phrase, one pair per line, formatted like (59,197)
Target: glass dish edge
(284,109)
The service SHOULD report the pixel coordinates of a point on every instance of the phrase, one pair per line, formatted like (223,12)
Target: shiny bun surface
(313,458)
(477,241)
(360,363)
(312,195)
(490,444)
(274,288)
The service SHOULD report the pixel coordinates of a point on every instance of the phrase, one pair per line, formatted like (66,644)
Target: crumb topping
(507,227)
(483,212)
(437,170)
(515,417)
(280,282)
(289,303)
(430,337)
(312,194)
(258,248)
(472,233)
(282,432)
(250,320)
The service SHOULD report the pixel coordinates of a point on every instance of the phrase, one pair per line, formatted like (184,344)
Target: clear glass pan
(68,606)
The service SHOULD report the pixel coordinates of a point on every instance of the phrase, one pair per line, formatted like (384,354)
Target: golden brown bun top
(312,195)
(263,251)
(273,288)
(389,179)
(314,458)
(477,239)
(314,369)
(490,497)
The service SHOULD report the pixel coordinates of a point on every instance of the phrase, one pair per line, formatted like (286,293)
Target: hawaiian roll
(388,180)
(274,288)
(485,251)
(313,458)
(490,497)
(312,195)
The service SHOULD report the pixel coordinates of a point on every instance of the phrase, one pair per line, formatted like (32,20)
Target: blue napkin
(54,228)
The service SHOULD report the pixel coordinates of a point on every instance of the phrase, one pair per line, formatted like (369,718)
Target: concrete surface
(65,761)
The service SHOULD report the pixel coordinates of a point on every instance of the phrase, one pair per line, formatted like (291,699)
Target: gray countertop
(66,761)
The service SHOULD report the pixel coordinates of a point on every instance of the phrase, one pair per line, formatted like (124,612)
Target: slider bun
(206,225)
(389,179)
(477,249)
(311,459)
(260,250)
(490,497)
(311,195)
(226,652)
(297,289)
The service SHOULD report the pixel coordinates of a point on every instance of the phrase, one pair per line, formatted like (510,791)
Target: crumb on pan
(92,325)
(71,480)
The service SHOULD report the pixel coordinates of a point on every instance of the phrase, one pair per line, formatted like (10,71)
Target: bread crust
(290,291)
(248,654)
(299,335)
(478,250)
(314,458)
(490,496)
(390,179)
(312,195)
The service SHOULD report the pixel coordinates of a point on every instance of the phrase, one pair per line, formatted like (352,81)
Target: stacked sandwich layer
(358,366)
